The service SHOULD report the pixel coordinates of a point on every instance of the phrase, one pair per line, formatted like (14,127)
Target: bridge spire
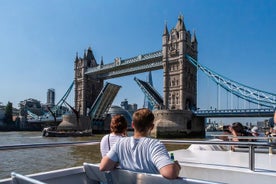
(102,63)
(90,58)
(194,41)
(166,32)
(77,57)
(180,23)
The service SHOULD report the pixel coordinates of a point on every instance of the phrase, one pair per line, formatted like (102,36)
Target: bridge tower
(180,85)
(86,87)
(180,76)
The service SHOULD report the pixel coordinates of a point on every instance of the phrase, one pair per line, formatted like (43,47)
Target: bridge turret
(77,57)
(166,32)
(102,63)
(91,61)
(194,45)
(165,37)
(180,26)
(86,87)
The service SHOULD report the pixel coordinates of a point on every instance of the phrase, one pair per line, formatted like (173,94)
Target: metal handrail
(250,145)
(47,145)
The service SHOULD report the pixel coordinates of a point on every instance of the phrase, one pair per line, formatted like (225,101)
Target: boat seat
(21,179)
(121,176)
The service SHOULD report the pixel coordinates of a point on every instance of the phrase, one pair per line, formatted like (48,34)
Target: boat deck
(226,166)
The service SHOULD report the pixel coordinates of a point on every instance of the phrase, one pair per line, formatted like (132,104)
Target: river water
(28,161)
(33,160)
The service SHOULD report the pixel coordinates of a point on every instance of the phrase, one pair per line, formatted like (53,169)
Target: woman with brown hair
(118,129)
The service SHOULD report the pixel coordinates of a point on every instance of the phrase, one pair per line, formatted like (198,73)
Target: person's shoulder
(105,137)
(124,139)
(150,140)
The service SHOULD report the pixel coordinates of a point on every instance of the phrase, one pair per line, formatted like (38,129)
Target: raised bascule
(174,118)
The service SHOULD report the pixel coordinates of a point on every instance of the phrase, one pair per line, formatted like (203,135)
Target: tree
(8,113)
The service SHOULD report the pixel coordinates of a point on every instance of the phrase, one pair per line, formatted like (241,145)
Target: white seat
(21,179)
(121,176)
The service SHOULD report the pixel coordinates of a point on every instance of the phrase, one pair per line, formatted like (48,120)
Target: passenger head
(226,132)
(225,129)
(142,120)
(238,127)
(118,124)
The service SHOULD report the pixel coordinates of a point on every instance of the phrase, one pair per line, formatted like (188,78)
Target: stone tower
(180,76)
(86,87)
(180,86)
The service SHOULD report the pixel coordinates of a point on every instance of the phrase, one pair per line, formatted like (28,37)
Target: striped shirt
(140,155)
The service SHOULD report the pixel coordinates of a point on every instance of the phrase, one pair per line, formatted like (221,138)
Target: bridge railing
(209,112)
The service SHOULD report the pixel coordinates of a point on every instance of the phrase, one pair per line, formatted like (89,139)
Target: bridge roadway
(151,93)
(138,64)
(235,113)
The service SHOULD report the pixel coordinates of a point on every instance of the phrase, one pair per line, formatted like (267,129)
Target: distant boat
(52,132)
(71,126)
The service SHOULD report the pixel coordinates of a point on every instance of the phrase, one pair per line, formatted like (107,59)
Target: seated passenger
(118,129)
(213,147)
(141,153)
(237,130)
(256,133)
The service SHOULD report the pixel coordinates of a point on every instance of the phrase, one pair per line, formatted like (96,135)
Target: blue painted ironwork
(53,109)
(247,93)
(235,113)
(153,61)
(154,97)
(63,99)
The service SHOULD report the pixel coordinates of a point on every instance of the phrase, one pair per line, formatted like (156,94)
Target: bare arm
(233,132)
(170,171)
(274,117)
(107,164)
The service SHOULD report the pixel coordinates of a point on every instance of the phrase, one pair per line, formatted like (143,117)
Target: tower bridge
(177,116)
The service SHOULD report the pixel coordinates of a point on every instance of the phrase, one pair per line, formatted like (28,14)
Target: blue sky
(39,40)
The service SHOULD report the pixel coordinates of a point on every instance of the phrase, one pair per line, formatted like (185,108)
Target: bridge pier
(177,124)
(71,123)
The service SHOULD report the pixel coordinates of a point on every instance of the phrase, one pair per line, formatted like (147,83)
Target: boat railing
(251,146)
(47,145)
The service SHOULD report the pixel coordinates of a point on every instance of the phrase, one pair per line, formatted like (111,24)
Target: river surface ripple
(34,160)
(28,161)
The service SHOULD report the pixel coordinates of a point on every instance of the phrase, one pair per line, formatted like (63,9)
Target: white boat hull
(226,166)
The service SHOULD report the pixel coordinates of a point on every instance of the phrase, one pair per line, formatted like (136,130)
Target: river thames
(29,161)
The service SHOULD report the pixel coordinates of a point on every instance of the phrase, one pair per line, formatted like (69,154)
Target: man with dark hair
(140,153)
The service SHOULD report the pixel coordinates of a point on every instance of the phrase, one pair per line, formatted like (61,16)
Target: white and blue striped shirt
(140,155)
